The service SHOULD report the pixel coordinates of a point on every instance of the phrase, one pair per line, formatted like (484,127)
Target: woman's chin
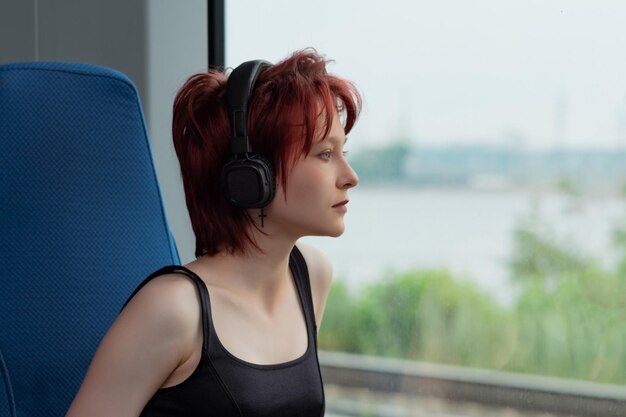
(338,231)
(335,232)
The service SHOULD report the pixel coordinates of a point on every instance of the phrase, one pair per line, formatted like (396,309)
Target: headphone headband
(247,178)
(240,84)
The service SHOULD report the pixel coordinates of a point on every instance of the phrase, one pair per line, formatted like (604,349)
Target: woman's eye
(326,155)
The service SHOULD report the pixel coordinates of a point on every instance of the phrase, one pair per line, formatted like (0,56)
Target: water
(468,232)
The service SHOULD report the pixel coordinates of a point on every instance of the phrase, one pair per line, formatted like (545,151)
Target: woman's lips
(342,205)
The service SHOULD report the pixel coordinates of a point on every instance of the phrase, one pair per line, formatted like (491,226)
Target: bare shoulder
(167,300)
(320,274)
(176,287)
(318,263)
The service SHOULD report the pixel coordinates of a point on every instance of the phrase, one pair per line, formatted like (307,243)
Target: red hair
(292,104)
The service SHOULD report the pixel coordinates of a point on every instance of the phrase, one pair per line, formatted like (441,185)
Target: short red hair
(292,104)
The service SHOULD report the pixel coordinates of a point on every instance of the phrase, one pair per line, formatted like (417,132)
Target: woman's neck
(254,273)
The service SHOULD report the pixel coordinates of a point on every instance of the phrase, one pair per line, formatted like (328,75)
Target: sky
(535,74)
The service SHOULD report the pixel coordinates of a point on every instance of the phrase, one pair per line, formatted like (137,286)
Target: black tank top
(223,385)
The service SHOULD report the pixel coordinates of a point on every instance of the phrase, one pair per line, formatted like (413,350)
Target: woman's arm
(154,334)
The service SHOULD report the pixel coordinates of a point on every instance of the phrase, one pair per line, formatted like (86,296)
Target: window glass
(488,229)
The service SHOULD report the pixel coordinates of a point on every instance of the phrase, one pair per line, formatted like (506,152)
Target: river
(469,232)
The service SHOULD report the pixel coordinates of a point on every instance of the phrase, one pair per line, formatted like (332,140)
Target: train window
(483,266)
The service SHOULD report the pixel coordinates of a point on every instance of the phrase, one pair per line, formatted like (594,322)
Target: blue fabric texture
(7,407)
(81,224)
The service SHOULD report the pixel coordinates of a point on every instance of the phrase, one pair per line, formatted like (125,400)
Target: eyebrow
(337,139)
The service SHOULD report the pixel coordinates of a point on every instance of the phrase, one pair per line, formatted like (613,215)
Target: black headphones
(247,178)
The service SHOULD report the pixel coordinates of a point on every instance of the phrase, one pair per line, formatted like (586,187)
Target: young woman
(233,333)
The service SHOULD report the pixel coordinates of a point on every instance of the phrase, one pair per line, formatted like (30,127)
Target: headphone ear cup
(249,181)
(270,177)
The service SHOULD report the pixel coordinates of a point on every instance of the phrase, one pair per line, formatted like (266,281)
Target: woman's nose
(349,177)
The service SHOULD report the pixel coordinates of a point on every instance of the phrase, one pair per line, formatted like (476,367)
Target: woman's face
(317,190)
